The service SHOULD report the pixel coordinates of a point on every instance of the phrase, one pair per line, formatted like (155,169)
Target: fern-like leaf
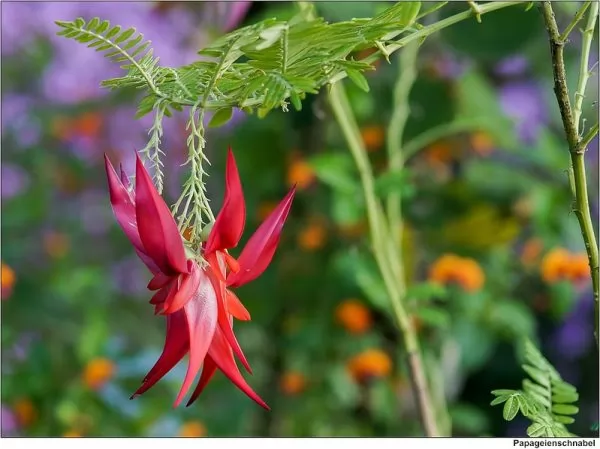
(546,399)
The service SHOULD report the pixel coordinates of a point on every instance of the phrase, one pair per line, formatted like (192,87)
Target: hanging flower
(193,292)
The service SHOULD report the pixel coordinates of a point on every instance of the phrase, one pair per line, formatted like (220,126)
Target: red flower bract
(194,297)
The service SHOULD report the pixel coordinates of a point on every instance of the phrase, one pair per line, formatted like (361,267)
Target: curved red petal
(158,281)
(157,227)
(225,324)
(235,306)
(176,346)
(221,353)
(123,208)
(189,285)
(229,224)
(259,251)
(208,371)
(201,313)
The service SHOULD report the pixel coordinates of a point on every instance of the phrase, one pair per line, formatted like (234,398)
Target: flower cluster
(463,271)
(194,292)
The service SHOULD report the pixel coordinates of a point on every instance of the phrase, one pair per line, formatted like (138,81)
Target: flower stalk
(571,116)
(387,256)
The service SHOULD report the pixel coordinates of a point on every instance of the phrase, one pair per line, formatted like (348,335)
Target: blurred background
(489,238)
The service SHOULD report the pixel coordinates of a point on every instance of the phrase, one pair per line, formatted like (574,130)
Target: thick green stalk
(577,144)
(380,238)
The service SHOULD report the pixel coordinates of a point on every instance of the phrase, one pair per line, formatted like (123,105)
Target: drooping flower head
(193,292)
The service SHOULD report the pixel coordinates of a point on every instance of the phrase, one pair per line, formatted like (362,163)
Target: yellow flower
(192,429)
(313,236)
(292,383)
(354,316)
(25,412)
(373,137)
(97,372)
(300,173)
(368,364)
(451,268)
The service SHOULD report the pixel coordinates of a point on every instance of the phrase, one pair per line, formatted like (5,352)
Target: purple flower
(523,101)
(14,180)
(575,336)
(94,216)
(512,66)
(8,420)
(236,13)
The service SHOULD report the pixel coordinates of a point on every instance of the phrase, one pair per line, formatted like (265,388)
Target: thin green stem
(574,22)
(570,117)
(395,134)
(380,243)
(436,133)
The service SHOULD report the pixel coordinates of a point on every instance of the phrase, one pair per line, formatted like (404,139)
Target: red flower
(194,295)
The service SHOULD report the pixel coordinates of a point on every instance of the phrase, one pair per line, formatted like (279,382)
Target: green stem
(395,134)
(436,133)
(380,245)
(570,117)
(574,22)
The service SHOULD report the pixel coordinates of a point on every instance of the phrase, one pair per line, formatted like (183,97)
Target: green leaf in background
(426,291)
(361,269)
(220,118)
(469,419)
(512,318)
(434,316)
(562,299)
(476,343)
(343,387)
(336,170)
(397,181)
(94,336)
(347,209)
(358,78)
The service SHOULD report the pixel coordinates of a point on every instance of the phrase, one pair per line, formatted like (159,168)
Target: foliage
(546,399)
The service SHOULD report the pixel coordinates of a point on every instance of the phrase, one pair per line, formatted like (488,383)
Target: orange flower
(555,265)
(25,412)
(465,272)
(370,363)
(56,244)
(373,137)
(482,143)
(531,251)
(97,372)
(300,173)
(354,316)
(88,125)
(8,279)
(439,153)
(579,268)
(312,237)
(192,429)
(292,383)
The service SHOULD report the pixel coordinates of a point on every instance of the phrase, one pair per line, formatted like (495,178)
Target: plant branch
(578,16)
(395,133)
(570,117)
(379,239)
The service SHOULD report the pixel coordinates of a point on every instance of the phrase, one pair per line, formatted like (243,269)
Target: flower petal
(229,224)
(158,281)
(124,209)
(201,313)
(235,306)
(221,353)
(157,227)
(224,321)
(184,292)
(176,346)
(259,251)
(208,371)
